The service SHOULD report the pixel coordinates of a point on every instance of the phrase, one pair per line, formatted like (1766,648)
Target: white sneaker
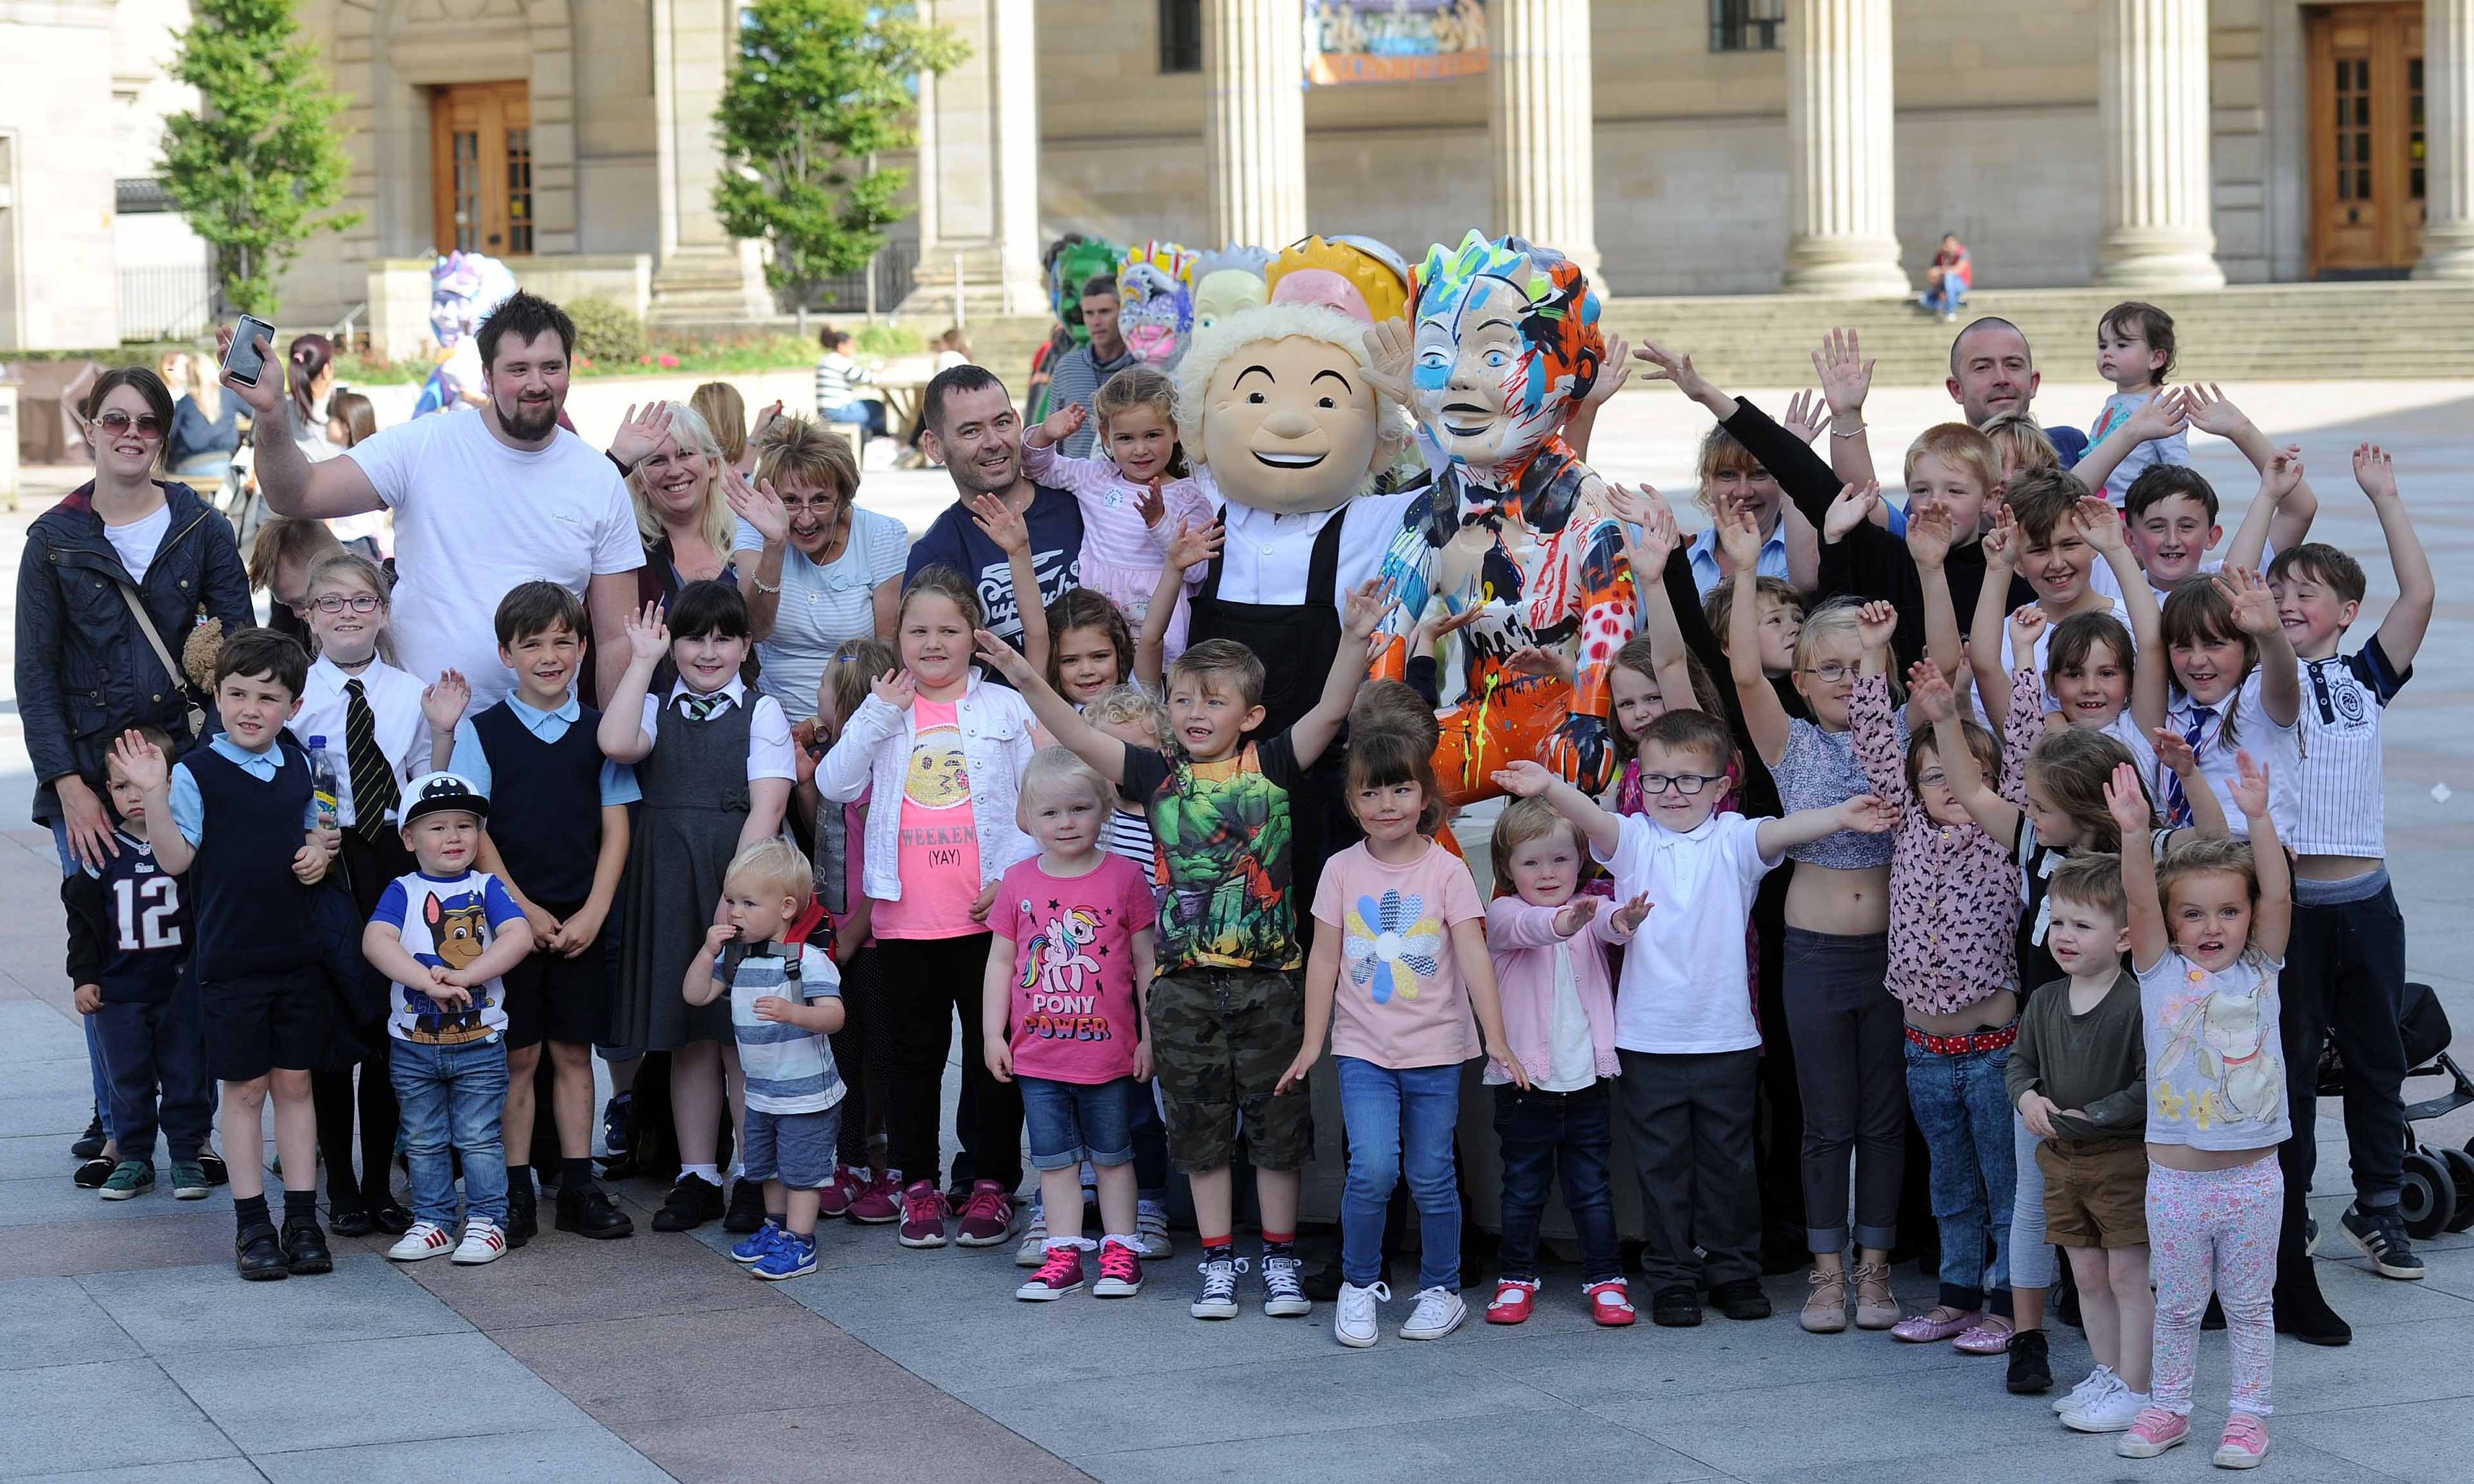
(2089,1387)
(2112,1412)
(1356,1325)
(1034,1250)
(1440,1312)
(483,1243)
(422,1239)
(1150,1232)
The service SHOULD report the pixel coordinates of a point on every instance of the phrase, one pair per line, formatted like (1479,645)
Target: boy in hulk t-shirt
(1070,940)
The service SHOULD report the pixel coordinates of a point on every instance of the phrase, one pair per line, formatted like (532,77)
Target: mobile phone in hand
(243,363)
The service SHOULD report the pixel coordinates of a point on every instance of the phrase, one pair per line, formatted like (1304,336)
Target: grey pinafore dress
(694,783)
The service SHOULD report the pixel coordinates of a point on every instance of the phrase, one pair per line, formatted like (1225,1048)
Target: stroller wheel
(2461,1173)
(2427,1199)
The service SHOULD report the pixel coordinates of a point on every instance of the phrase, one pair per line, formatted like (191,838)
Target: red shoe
(1120,1271)
(923,1216)
(878,1202)
(1513,1300)
(1609,1302)
(987,1218)
(834,1201)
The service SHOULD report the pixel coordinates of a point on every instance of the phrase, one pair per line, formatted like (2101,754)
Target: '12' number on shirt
(147,926)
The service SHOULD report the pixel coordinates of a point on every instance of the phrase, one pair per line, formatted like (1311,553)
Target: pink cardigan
(1522,940)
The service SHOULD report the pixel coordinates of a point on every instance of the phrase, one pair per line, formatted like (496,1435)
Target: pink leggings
(2220,1225)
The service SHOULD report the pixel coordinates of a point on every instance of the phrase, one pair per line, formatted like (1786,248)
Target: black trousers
(861,1047)
(1690,1118)
(2344,978)
(332,1094)
(930,981)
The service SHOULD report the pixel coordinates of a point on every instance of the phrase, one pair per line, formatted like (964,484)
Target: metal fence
(166,303)
(891,271)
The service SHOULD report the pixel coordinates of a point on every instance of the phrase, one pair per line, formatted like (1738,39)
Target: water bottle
(322,783)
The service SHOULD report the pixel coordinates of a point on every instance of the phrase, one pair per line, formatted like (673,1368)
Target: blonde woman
(206,425)
(682,508)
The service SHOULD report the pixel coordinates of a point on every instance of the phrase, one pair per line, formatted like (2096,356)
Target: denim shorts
(1070,1122)
(797,1149)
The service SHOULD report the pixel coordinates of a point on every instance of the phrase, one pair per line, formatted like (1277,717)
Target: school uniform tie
(698,709)
(373,788)
(2178,804)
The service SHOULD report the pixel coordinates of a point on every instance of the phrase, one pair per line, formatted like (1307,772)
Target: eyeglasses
(1832,673)
(117,423)
(1933,778)
(1687,784)
(336,603)
(823,505)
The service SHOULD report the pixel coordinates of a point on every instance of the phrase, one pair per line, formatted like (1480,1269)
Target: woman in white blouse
(828,571)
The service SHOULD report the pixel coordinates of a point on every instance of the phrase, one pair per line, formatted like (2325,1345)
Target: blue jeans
(452,1098)
(154,1056)
(1963,1110)
(1947,295)
(1544,1134)
(1069,1122)
(866,413)
(1400,1118)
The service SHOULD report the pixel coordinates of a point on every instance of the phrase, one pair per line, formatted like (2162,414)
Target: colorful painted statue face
(1286,418)
(1074,262)
(1156,301)
(1506,342)
(1357,276)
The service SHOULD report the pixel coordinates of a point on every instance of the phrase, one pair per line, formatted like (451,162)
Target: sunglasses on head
(117,423)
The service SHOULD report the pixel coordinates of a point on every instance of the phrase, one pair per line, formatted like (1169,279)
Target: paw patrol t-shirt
(449,921)
(1073,1015)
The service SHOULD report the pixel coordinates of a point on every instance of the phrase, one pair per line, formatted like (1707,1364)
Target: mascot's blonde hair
(1274,321)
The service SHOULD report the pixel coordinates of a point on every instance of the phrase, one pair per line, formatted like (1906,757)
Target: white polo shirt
(1685,987)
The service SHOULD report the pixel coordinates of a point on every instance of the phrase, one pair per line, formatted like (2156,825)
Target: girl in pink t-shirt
(1400,915)
(1069,947)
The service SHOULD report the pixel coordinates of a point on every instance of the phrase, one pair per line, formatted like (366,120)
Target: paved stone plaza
(128,1350)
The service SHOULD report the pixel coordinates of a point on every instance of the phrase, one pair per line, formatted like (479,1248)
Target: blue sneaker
(614,1122)
(789,1256)
(754,1248)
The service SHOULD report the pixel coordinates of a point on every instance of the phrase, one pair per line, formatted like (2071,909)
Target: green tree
(259,166)
(822,87)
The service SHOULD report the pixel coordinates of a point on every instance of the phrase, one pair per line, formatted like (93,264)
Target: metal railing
(876,289)
(166,302)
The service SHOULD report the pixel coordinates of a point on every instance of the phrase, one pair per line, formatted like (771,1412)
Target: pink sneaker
(1060,1275)
(986,1217)
(2246,1441)
(878,1202)
(1120,1271)
(2158,1429)
(834,1201)
(923,1216)
(1934,1324)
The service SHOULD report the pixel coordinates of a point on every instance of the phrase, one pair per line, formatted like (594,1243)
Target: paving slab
(207,1310)
(557,1456)
(284,1398)
(52,1322)
(47,1420)
(214,1471)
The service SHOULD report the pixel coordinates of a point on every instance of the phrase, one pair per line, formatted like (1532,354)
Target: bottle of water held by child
(322,783)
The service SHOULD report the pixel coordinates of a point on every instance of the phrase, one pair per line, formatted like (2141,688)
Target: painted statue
(1501,346)
(1156,301)
(1359,276)
(1072,261)
(1226,280)
(464,287)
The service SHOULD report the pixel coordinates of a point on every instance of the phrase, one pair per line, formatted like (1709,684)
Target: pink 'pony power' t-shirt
(1074,1018)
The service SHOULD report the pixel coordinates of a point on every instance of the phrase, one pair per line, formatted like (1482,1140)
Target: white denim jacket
(875,749)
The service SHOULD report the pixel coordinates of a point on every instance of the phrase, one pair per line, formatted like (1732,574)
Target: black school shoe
(304,1250)
(693,1202)
(2031,1366)
(523,1213)
(258,1254)
(1675,1306)
(89,1143)
(2307,1317)
(350,1220)
(588,1213)
(747,1207)
(218,1173)
(1741,1298)
(90,1175)
(392,1219)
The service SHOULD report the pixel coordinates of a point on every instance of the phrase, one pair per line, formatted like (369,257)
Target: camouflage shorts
(1221,1037)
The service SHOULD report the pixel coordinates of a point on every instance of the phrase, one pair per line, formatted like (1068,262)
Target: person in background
(1949,278)
(351,419)
(839,379)
(313,386)
(1993,372)
(206,425)
(953,349)
(1079,374)
(279,560)
(725,416)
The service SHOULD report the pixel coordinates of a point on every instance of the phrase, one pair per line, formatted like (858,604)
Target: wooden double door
(481,168)
(2366,138)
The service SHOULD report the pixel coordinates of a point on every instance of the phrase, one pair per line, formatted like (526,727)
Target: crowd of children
(2085,829)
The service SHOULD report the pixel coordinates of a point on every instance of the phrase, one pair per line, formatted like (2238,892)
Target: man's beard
(971,479)
(523,429)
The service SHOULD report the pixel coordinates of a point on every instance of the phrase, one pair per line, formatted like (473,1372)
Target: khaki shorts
(2096,1191)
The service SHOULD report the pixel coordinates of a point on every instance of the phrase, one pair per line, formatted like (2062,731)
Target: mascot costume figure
(464,287)
(1156,301)
(1226,281)
(1501,344)
(1073,260)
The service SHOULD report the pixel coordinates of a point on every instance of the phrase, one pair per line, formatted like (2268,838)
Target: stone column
(699,272)
(1842,209)
(978,164)
(2153,114)
(1255,122)
(2448,132)
(1539,125)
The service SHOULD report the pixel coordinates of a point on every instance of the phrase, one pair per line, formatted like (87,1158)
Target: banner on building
(1393,41)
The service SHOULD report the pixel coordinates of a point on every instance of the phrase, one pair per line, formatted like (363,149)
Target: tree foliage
(258,167)
(821,88)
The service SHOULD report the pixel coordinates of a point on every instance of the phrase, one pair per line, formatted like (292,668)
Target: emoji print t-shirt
(1400,1001)
(938,846)
(1072,1013)
(2216,1053)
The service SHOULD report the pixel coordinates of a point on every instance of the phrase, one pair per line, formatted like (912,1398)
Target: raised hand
(2284,473)
(1390,348)
(2375,472)
(899,688)
(2026,627)
(639,432)
(1929,693)
(648,638)
(1364,612)
(1628,918)
(1192,547)
(1852,506)
(1523,778)
(999,655)
(1576,914)
(1149,503)
(1877,623)
(269,391)
(2159,416)
(443,703)
(141,762)
(1846,376)
(1431,629)
(1739,538)
(1001,523)
(2127,801)
(1806,416)
(2098,523)
(1930,534)
(1648,551)
(2251,786)
(1063,423)
(2174,750)
(2211,411)
(758,505)
(1673,366)
(1536,659)
(1867,815)
(1612,372)
(2254,606)
(2002,542)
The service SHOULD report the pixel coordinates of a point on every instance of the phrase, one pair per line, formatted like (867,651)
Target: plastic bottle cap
(317,742)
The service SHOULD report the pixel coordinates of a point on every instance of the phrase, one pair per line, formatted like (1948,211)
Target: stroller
(2437,1192)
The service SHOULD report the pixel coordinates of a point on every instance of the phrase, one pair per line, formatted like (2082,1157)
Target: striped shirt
(1130,835)
(837,380)
(788,1068)
(2337,806)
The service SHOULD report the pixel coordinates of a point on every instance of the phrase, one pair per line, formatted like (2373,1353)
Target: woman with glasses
(124,565)
(818,570)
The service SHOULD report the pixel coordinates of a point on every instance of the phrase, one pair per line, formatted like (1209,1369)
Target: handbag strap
(153,639)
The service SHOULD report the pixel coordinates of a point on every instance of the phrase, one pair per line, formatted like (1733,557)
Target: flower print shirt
(1400,1001)
(2216,1053)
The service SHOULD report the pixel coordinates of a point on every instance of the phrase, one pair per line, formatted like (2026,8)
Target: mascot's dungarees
(1501,344)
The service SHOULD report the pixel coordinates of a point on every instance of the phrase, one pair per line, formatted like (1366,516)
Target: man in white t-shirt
(481,504)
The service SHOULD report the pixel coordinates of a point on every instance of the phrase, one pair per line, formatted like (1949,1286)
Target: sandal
(1989,1338)
(1825,1309)
(1877,1308)
(1938,1323)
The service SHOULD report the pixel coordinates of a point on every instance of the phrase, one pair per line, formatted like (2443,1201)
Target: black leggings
(1851,1067)
(929,980)
(368,868)
(862,1052)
